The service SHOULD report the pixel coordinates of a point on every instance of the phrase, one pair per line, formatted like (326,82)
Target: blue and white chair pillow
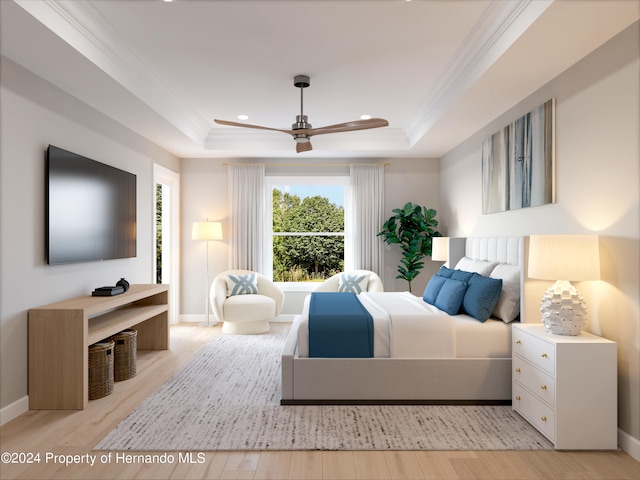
(242,284)
(353,283)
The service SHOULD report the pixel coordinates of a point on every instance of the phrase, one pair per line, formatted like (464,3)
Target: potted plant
(413,228)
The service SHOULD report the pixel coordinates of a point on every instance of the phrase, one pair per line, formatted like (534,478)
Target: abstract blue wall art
(518,162)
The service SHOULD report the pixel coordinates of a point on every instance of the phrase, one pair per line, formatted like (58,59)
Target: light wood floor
(55,434)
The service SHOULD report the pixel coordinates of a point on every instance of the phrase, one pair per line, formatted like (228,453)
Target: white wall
(204,194)
(33,115)
(414,181)
(598,174)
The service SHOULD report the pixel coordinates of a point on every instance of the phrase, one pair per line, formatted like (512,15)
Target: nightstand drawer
(534,350)
(536,380)
(535,411)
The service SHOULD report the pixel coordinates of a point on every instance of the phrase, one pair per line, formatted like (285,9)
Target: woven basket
(100,369)
(124,362)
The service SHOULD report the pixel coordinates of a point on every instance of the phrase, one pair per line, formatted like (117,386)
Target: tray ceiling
(439,71)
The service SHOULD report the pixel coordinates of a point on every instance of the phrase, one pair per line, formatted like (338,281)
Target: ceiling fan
(302,131)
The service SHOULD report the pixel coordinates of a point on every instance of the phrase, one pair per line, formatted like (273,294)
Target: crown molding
(500,26)
(80,25)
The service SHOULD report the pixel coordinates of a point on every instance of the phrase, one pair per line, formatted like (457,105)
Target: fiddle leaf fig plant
(413,228)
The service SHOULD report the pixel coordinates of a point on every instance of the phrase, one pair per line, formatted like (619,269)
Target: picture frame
(518,162)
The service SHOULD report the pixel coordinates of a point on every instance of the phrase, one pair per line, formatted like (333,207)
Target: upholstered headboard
(508,250)
(494,249)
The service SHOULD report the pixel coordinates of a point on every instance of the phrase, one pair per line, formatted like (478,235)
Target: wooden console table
(60,335)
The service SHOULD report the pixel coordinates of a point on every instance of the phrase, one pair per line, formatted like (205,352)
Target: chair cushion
(248,308)
(242,284)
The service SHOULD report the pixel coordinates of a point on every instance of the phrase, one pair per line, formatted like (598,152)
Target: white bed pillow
(508,306)
(481,267)
(353,282)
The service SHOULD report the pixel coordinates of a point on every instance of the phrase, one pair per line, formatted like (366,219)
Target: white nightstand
(566,386)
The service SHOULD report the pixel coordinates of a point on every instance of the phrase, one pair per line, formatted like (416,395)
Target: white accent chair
(249,313)
(331,284)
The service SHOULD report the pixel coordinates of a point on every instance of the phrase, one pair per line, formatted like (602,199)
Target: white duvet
(404,327)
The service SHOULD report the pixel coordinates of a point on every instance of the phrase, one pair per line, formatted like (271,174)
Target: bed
(470,362)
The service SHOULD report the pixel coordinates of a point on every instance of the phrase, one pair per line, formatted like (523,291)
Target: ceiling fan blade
(303,147)
(349,126)
(247,125)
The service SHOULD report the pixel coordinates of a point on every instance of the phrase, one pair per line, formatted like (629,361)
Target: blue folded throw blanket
(339,326)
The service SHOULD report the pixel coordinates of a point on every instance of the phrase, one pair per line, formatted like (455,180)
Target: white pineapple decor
(563,309)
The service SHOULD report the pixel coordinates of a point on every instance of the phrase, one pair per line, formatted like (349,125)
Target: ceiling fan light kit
(302,131)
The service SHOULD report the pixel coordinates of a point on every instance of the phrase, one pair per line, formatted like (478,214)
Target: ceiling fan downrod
(302,82)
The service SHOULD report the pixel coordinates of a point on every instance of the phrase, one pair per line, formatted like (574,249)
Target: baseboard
(629,444)
(197,318)
(14,410)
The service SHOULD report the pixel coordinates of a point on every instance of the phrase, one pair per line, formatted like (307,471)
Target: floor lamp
(207,231)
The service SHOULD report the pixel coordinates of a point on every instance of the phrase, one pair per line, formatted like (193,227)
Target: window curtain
(366,189)
(246,201)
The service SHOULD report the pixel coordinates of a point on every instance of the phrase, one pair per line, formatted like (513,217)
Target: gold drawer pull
(544,387)
(544,355)
(518,370)
(543,418)
(518,397)
(518,342)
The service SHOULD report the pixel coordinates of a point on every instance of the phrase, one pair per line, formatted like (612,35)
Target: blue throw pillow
(445,272)
(450,297)
(433,288)
(482,296)
(461,275)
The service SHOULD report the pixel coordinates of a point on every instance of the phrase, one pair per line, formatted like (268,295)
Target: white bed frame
(407,381)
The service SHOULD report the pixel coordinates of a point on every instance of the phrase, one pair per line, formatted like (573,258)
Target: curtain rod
(307,164)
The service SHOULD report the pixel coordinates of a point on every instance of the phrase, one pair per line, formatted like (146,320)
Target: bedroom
(599,153)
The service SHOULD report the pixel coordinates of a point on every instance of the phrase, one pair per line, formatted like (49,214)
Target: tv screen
(91,210)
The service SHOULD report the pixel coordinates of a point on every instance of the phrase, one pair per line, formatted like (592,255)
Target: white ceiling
(438,71)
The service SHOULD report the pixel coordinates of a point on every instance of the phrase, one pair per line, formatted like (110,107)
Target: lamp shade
(564,257)
(206,231)
(440,249)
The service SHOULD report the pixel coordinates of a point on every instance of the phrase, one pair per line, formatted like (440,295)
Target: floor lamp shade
(206,231)
(564,258)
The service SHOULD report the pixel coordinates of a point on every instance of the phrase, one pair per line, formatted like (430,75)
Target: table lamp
(564,258)
(440,249)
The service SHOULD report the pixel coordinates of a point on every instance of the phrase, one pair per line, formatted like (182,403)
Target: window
(305,227)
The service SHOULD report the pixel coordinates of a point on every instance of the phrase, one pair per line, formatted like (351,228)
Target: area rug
(228,398)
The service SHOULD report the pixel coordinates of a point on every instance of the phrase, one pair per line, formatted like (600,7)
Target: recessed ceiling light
(365,117)
(243,117)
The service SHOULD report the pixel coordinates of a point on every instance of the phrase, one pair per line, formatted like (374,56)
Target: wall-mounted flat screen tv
(90,210)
